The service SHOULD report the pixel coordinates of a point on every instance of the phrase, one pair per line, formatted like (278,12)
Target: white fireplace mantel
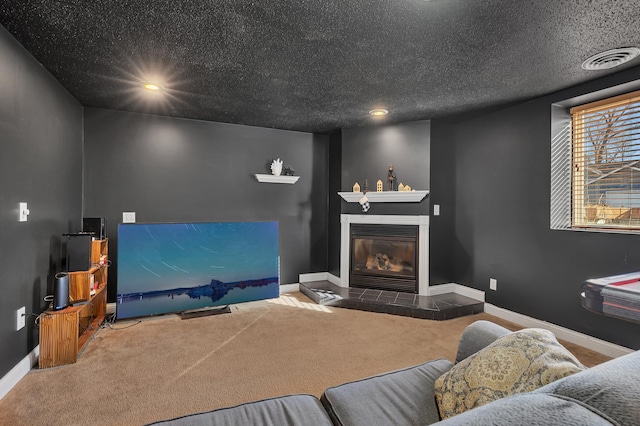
(386,196)
(423,243)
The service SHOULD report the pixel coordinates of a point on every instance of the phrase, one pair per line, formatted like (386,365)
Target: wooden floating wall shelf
(386,196)
(276,179)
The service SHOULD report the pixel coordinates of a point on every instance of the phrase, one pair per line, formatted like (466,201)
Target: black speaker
(78,252)
(95,225)
(61,291)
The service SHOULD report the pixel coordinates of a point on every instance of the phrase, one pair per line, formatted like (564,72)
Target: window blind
(606,163)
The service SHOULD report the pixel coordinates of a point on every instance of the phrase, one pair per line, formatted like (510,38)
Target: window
(605,163)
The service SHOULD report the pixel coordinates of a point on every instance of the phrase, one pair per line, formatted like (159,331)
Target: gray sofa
(608,394)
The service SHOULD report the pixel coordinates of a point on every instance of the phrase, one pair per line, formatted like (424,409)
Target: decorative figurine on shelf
(401,187)
(288,171)
(391,177)
(365,189)
(356,187)
(407,188)
(276,167)
(379,186)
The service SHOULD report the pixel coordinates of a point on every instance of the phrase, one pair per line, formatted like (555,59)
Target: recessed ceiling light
(378,112)
(152,87)
(610,58)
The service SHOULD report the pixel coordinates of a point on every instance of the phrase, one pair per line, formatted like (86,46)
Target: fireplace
(386,252)
(384,257)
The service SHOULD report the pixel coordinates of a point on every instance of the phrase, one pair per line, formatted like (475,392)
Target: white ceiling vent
(610,58)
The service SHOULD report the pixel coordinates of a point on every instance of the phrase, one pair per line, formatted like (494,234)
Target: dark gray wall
(335,202)
(177,170)
(367,153)
(442,193)
(41,164)
(502,186)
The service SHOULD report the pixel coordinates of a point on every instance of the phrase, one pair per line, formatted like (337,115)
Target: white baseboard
(18,372)
(289,288)
(589,342)
(315,276)
(320,276)
(334,279)
(462,290)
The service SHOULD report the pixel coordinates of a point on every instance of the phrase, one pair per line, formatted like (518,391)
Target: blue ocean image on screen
(174,267)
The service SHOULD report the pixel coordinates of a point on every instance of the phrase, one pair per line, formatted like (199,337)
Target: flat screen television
(175,267)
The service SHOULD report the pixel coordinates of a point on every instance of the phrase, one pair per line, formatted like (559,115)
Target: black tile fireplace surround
(384,257)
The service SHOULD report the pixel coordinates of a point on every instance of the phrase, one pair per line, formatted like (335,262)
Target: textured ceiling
(318,65)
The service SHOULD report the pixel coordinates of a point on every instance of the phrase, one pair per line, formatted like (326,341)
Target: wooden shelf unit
(64,333)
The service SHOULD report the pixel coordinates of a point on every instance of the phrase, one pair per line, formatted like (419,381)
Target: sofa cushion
(517,362)
(286,410)
(401,397)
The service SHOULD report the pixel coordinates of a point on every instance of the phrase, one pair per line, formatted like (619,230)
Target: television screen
(175,267)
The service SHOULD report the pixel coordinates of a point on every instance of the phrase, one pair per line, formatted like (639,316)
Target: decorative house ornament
(356,187)
(276,167)
(401,187)
(407,188)
(379,186)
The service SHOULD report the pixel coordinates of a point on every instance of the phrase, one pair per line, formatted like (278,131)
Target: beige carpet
(167,367)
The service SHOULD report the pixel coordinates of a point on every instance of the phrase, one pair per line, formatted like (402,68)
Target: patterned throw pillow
(517,362)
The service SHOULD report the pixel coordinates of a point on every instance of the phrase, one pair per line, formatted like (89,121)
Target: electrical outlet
(493,284)
(128,217)
(436,209)
(21,318)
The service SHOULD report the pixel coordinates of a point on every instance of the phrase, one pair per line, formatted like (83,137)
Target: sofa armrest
(611,389)
(477,336)
(529,409)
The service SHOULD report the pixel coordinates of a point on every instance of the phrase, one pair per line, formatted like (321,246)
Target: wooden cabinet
(64,333)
